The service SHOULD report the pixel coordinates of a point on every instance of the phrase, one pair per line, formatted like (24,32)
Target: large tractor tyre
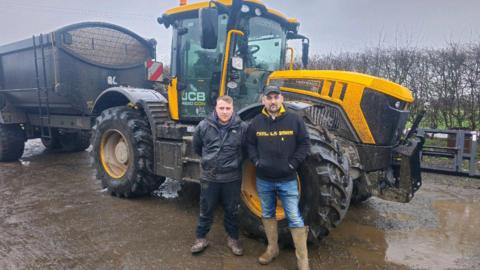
(123,152)
(12,142)
(74,141)
(325,191)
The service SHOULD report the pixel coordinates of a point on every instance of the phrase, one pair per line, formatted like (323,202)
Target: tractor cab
(223,47)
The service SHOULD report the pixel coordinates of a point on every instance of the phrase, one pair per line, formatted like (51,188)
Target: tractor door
(262,49)
(197,70)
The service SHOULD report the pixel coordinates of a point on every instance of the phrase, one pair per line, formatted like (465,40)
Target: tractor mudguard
(154,104)
(118,96)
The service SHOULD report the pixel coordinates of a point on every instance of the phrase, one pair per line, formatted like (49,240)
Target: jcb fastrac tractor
(355,121)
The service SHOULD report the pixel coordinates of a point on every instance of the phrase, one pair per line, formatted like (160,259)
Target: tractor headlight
(258,12)
(245,9)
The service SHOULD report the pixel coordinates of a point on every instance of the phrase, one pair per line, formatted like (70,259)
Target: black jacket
(277,147)
(221,158)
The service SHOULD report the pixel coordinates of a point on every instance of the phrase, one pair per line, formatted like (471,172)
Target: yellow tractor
(355,121)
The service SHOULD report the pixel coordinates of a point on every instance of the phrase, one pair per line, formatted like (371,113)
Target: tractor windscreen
(198,70)
(265,44)
(262,51)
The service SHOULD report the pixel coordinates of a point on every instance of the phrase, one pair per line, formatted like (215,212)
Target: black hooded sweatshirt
(277,146)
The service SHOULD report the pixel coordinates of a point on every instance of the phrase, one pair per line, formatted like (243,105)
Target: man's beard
(276,110)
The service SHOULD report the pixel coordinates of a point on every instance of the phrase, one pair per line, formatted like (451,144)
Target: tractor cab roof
(191,10)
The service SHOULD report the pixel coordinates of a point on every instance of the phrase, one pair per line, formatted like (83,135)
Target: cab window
(198,69)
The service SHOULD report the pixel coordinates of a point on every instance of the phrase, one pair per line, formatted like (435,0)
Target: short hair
(225,98)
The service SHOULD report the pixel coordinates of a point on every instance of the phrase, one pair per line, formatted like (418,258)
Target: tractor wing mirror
(209,27)
(305,48)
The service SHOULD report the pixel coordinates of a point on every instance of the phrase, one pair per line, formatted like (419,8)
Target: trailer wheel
(67,141)
(74,141)
(52,143)
(123,152)
(12,142)
(325,191)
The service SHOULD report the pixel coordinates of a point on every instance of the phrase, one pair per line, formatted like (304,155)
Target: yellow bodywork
(352,85)
(173,99)
(227,56)
(199,5)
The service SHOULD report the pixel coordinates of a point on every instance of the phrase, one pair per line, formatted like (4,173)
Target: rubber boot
(271,230)
(299,236)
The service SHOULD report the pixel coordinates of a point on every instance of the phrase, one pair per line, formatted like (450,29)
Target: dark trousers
(210,195)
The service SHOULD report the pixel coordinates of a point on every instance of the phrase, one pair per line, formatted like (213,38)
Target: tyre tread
(12,142)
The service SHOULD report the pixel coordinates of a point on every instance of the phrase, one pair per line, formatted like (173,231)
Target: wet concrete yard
(54,215)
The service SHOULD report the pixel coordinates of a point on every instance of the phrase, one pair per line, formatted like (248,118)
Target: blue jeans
(289,195)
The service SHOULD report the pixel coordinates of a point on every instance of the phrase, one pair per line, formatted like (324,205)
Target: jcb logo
(193,96)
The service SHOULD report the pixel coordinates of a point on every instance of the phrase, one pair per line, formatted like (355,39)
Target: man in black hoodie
(219,140)
(278,143)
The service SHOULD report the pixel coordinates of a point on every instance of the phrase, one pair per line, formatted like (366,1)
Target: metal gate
(450,151)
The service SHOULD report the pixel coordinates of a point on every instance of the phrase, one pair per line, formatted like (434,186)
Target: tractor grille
(331,118)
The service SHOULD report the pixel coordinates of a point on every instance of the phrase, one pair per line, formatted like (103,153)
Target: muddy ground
(54,215)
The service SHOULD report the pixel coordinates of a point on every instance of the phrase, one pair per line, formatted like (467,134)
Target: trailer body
(51,83)
(71,67)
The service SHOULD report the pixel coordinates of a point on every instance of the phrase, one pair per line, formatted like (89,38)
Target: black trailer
(49,84)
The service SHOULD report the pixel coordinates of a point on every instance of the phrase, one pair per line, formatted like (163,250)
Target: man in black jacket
(278,143)
(219,140)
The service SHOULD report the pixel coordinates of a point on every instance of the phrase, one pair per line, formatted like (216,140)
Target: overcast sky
(332,25)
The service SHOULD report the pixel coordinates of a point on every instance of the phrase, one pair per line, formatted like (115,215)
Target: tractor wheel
(12,142)
(325,191)
(74,141)
(123,152)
